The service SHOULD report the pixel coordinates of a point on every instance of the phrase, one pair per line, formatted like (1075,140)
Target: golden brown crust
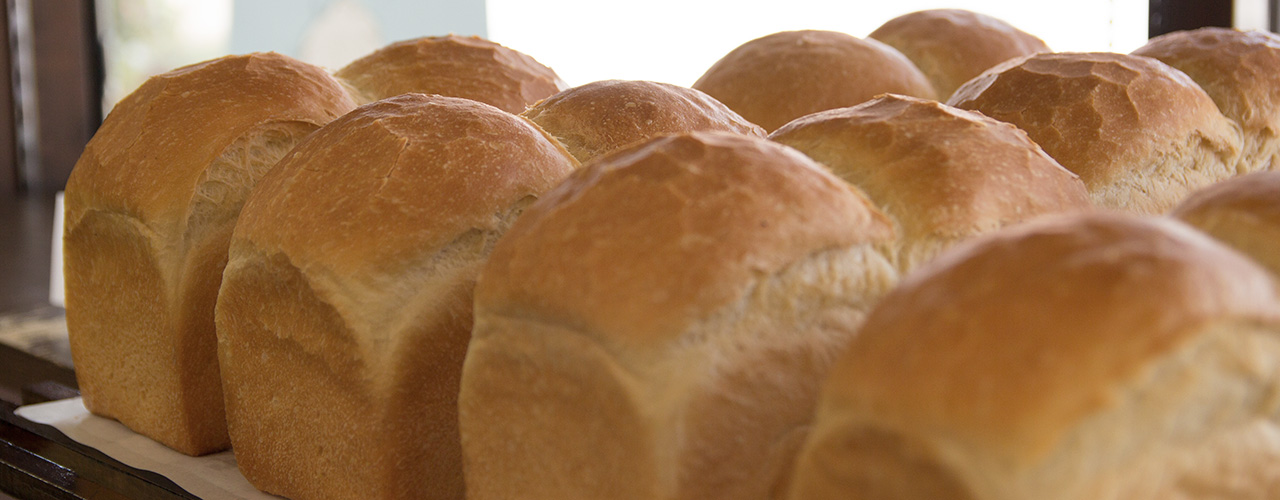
(1241,72)
(1140,134)
(1243,212)
(350,280)
(455,66)
(600,117)
(952,46)
(778,78)
(149,210)
(1043,360)
(720,208)
(942,174)
(657,326)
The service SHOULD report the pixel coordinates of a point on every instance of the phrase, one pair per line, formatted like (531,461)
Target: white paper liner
(211,477)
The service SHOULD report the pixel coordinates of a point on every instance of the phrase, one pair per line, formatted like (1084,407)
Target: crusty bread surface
(455,66)
(657,325)
(345,309)
(150,207)
(1139,133)
(600,117)
(952,46)
(941,174)
(780,77)
(1099,356)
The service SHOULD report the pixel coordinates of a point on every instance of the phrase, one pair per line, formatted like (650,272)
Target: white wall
(674,41)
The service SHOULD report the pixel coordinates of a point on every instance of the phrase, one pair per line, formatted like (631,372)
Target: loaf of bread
(345,308)
(657,325)
(778,78)
(455,66)
(1241,72)
(601,117)
(941,174)
(952,46)
(1139,133)
(1243,212)
(150,207)
(1088,357)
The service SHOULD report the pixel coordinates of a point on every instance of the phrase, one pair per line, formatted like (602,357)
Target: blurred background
(68,62)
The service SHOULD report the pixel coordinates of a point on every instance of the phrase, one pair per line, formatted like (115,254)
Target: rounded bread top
(147,158)
(375,190)
(642,244)
(600,117)
(1244,212)
(1012,339)
(1101,115)
(936,169)
(780,77)
(1240,70)
(455,66)
(952,46)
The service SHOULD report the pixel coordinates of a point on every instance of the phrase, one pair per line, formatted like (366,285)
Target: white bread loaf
(345,309)
(1241,72)
(952,46)
(941,174)
(780,77)
(1141,134)
(1243,212)
(455,66)
(150,207)
(601,117)
(656,326)
(1087,357)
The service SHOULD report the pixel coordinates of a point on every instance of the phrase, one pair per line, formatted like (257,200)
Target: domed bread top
(155,146)
(1082,357)
(411,172)
(780,77)
(1243,212)
(1140,134)
(468,67)
(942,174)
(952,46)
(600,117)
(648,239)
(1241,71)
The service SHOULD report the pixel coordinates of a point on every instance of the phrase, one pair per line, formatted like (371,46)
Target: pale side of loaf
(657,325)
(150,207)
(601,117)
(941,174)
(780,77)
(952,46)
(1087,357)
(454,66)
(1241,72)
(1139,133)
(1243,212)
(345,309)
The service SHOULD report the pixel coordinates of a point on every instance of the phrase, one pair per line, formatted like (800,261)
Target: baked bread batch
(1141,134)
(483,283)
(941,174)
